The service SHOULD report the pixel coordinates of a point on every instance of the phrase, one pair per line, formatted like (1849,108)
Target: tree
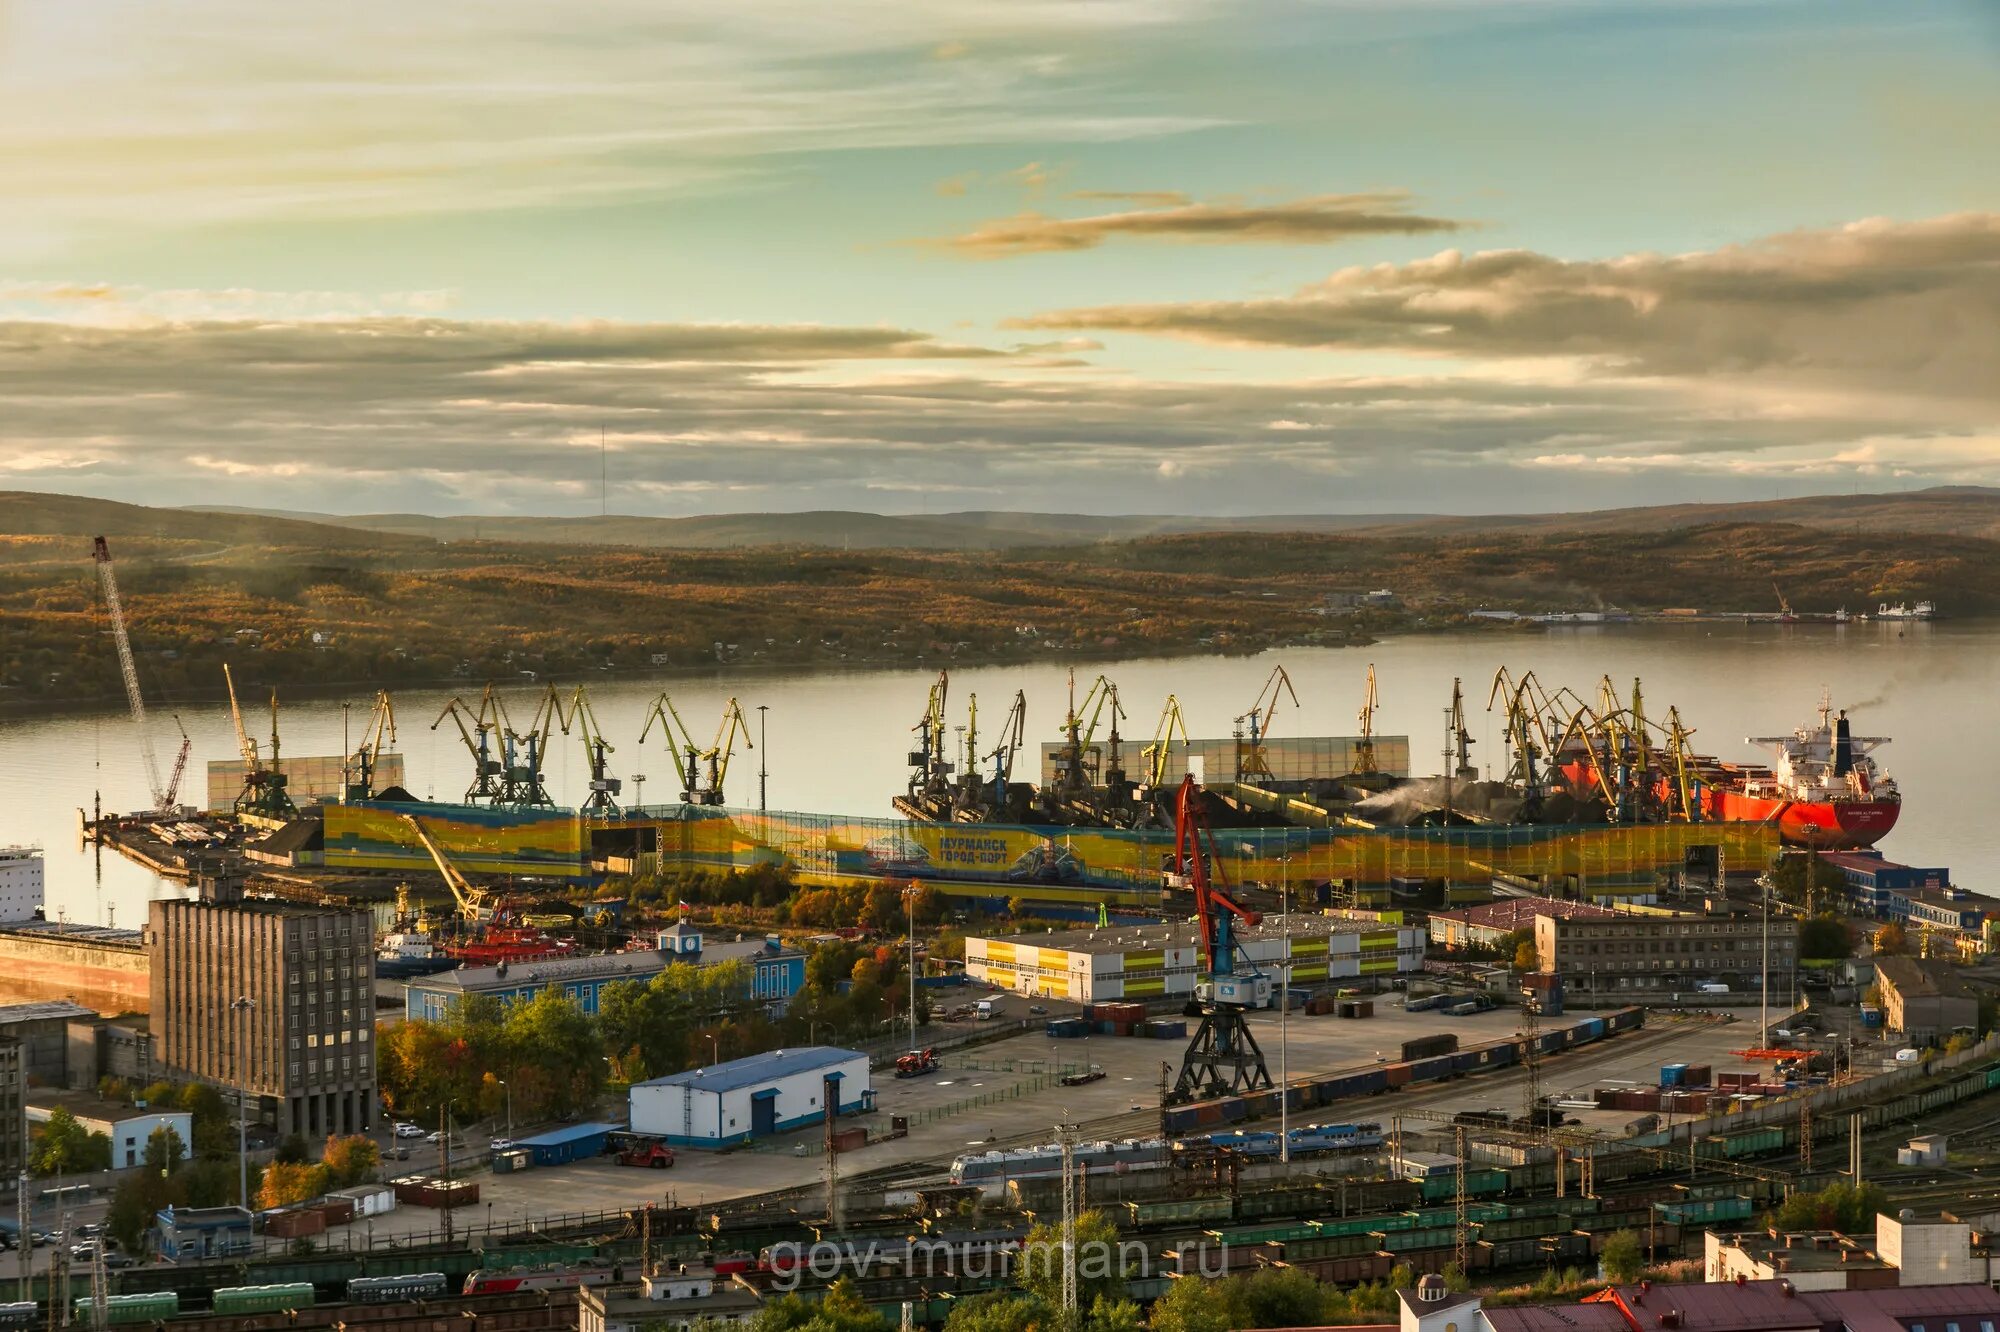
(841,1309)
(1891,939)
(64,1146)
(1198,1306)
(1526,956)
(1825,936)
(285,1184)
(164,1152)
(1959,1041)
(1622,1257)
(292,1150)
(1841,1207)
(1001,1311)
(1099,1264)
(350,1160)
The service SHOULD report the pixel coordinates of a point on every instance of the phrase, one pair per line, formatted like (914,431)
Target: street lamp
(910,910)
(510,1105)
(763,757)
(245,1005)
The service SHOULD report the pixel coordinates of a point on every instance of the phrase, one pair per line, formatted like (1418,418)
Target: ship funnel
(1843,746)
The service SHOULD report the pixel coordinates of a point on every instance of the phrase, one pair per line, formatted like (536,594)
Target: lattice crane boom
(108,578)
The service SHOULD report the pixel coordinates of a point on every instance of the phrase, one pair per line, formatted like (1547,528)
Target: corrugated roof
(639,964)
(1515,913)
(1557,1318)
(572,1133)
(753,1069)
(1911,978)
(45,1011)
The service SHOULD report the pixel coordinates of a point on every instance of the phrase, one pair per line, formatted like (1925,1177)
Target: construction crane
(263,790)
(107,577)
(1223,1057)
(524,753)
(604,788)
(487,720)
(380,732)
(1256,725)
(173,794)
(1158,755)
(471,898)
(1364,753)
(680,746)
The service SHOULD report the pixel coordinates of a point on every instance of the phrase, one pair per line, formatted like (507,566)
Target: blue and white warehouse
(751,1098)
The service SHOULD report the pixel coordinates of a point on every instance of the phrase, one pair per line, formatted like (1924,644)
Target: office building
(1492,923)
(273,996)
(1670,953)
(130,1128)
(755,1097)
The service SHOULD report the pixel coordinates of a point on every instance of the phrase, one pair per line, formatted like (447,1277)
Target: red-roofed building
(1486,926)
(1714,1306)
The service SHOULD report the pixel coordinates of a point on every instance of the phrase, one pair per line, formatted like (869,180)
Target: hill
(1958,510)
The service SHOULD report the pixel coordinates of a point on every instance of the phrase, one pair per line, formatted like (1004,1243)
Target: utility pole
(763,759)
(1284,1002)
(244,1005)
(830,1096)
(1463,1231)
(910,910)
(1066,1135)
(444,1162)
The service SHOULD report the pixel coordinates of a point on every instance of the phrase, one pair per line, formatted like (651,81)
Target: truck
(1712,987)
(656,1155)
(987,1008)
(916,1063)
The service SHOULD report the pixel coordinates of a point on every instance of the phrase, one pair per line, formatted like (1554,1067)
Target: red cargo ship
(1824,791)
(502,944)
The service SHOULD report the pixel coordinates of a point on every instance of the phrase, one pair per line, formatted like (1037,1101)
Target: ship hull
(1823,825)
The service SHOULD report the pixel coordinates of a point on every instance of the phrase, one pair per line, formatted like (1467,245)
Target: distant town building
(13,1125)
(684,1297)
(776,974)
(1905,1251)
(1779,1304)
(304,1042)
(1160,961)
(42,1028)
(1924,1002)
(189,1234)
(1486,926)
(21,884)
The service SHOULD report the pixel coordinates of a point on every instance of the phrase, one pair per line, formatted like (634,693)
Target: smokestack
(1843,746)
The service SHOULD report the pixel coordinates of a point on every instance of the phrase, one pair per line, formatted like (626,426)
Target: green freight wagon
(263,1299)
(1178,1210)
(153,1307)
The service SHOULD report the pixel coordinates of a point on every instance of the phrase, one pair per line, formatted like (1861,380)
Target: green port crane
(996,794)
(486,721)
(602,802)
(1255,725)
(263,791)
(380,732)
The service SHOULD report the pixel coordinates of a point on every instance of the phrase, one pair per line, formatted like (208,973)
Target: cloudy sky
(1092,255)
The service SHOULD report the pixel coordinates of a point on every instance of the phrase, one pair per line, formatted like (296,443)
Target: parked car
(408,1131)
(1039,1010)
(503,1144)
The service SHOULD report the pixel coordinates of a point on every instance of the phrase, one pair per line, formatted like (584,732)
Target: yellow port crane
(1255,725)
(487,720)
(930,761)
(731,729)
(1364,753)
(471,898)
(521,782)
(1158,755)
(1076,763)
(604,788)
(697,787)
(263,779)
(379,733)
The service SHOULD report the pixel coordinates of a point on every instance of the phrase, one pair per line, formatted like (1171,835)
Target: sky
(1103,256)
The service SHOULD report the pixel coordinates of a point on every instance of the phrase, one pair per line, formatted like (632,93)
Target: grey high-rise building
(277,996)
(13,1110)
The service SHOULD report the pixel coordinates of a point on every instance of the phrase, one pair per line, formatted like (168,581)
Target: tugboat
(1824,791)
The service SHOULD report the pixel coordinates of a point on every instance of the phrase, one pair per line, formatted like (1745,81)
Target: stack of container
(1068,1028)
(1355,1008)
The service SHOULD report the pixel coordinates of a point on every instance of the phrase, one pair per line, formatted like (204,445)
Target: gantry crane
(1223,1058)
(263,779)
(380,732)
(604,788)
(488,720)
(107,577)
(471,898)
(521,784)
(732,728)
(1364,753)
(1255,726)
(697,787)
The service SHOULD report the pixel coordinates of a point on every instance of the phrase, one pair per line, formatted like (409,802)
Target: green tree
(1198,1306)
(1623,1259)
(165,1152)
(1891,939)
(1001,1311)
(841,1309)
(292,1150)
(1841,1207)
(1108,1315)
(1099,1264)
(556,1057)
(64,1146)
(1283,1297)
(1825,936)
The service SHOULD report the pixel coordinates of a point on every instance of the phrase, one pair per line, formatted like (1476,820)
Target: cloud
(1150,198)
(450,415)
(1317,220)
(951,50)
(1878,306)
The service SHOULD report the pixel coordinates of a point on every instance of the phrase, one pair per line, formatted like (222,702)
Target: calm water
(837,742)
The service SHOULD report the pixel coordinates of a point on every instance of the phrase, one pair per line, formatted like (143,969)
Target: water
(838,741)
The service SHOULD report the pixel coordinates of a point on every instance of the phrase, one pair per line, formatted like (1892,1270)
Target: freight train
(1182,1120)
(1136,1154)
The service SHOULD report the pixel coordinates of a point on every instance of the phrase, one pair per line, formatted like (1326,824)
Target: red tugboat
(1824,791)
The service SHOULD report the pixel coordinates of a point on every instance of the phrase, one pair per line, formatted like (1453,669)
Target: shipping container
(1430,1070)
(295,1223)
(1423,1047)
